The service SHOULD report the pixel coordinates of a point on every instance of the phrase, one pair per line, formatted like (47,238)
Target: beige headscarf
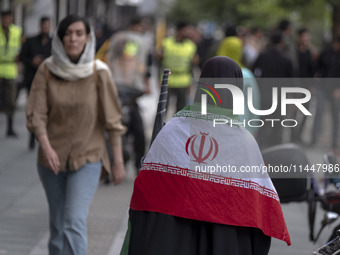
(60,65)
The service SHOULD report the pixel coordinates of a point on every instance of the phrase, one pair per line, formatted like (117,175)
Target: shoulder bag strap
(95,74)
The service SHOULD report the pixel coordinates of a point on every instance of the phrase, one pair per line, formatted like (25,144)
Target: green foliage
(294,3)
(313,14)
(264,13)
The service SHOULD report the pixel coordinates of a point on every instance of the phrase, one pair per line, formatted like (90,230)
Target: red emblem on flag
(203,153)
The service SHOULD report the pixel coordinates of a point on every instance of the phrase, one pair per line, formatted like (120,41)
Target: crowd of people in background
(30,52)
(283,52)
(73,125)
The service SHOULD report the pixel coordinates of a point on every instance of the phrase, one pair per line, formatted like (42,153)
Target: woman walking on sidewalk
(72,101)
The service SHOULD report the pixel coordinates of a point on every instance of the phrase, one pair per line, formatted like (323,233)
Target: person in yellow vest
(10,42)
(178,54)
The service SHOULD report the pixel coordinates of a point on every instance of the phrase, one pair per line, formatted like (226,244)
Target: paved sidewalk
(23,206)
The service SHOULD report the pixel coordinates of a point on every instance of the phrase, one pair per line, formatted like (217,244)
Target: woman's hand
(52,159)
(118,173)
(50,155)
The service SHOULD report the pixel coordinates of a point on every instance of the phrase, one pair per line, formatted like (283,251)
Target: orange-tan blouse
(74,116)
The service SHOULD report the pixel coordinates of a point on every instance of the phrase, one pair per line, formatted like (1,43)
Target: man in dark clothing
(306,53)
(285,27)
(307,56)
(34,51)
(328,89)
(271,63)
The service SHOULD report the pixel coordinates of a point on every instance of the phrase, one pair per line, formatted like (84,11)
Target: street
(24,211)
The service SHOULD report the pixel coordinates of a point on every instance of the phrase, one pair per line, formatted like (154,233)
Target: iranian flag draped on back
(185,174)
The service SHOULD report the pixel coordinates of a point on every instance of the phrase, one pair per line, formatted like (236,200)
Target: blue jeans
(69,195)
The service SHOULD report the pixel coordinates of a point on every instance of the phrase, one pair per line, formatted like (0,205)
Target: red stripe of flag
(202,200)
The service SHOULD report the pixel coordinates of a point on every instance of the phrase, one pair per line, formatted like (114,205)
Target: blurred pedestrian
(73,99)
(253,46)
(204,47)
(128,58)
(34,51)
(100,34)
(307,56)
(271,63)
(233,49)
(10,42)
(230,34)
(179,54)
(328,90)
(103,33)
(177,208)
(285,27)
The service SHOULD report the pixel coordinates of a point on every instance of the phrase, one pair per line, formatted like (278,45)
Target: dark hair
(180,25)
(283,25)
(66,22)
(6,13)
(301,31)
(230,31)
(44,19)
(337,38)
(254,30)
(276,38)
(135,21)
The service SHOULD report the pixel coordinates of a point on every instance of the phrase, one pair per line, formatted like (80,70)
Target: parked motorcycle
(300,185)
